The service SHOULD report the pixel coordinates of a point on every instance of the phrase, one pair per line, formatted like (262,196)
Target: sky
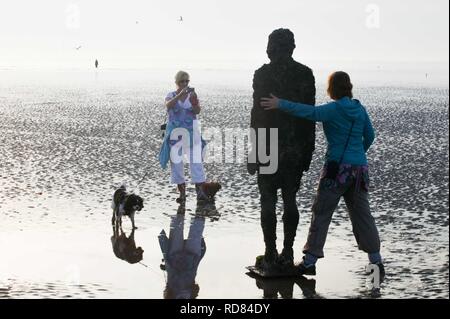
(219,34)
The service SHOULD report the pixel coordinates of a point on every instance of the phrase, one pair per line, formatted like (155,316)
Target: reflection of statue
(293,81)
(125,247)
(284,287)
(182,257)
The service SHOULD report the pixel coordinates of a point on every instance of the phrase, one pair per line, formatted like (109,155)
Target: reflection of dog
(125,204)
(125,247)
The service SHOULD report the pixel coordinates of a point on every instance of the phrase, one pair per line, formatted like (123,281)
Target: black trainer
(307,271)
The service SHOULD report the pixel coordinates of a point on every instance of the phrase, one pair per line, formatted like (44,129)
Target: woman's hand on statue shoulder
(270,103)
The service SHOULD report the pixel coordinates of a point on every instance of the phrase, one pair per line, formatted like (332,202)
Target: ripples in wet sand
(64,150)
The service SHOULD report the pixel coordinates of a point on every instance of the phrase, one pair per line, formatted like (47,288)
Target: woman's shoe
(303,269)
(201,194)
(181,209)
(182,198)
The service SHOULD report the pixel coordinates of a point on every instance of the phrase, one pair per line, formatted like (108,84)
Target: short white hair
(180,76)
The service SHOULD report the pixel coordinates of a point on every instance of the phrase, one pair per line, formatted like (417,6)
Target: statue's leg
(290,216)
(268,192)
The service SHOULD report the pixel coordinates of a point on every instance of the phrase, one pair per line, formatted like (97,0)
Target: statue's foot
(268,261)
(286,258)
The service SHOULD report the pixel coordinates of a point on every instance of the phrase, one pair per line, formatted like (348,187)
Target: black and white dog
(125,204)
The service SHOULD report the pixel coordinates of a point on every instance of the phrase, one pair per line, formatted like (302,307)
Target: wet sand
(66,144)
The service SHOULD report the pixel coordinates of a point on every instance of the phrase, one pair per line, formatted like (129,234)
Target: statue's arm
(255,122)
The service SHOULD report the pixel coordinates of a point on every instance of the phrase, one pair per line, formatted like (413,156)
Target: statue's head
(281,45)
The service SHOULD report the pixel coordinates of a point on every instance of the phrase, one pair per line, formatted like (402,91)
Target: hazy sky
(215,33)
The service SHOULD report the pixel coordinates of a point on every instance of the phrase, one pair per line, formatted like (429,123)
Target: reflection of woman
(182,257)
(125,247)
(183,107)
(349,133)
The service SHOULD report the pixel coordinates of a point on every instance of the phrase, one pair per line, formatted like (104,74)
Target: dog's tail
(122,187)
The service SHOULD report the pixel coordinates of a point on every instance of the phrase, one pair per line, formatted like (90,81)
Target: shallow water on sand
(66,143)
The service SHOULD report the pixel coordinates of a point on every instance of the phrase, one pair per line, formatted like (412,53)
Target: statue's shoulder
(263,69)
(301,67)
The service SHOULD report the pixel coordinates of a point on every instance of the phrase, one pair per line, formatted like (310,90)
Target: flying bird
(78,48)
(180,19)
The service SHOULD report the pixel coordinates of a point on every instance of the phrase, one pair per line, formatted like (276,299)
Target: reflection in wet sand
(273,288)
(13,288)
(64,146)
(124,247)
(182,257)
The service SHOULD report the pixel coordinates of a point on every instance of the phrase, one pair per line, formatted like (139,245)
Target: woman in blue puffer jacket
(349,133)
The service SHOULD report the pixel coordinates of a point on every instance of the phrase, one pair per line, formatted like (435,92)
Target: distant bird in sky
(137,22)
(96,64)
(78,47)
(180,19)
